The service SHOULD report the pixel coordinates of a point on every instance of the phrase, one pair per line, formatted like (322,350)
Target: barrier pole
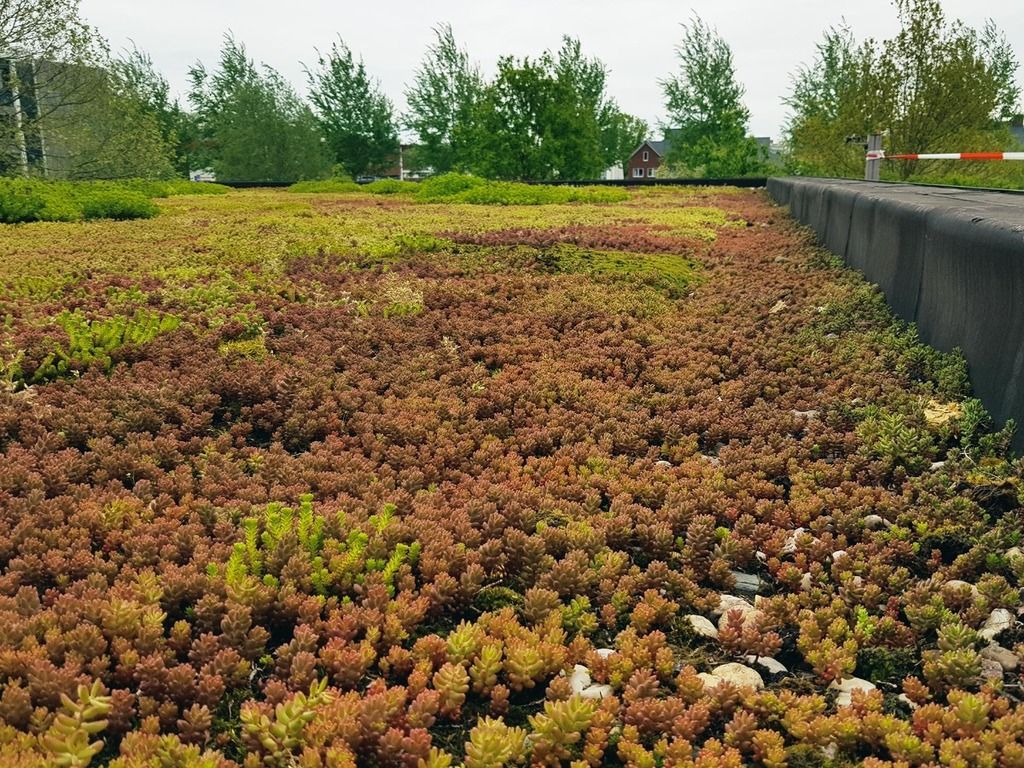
(873,162)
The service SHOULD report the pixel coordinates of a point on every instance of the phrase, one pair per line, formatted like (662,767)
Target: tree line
(936,85)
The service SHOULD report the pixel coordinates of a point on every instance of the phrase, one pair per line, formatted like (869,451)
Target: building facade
(646,160)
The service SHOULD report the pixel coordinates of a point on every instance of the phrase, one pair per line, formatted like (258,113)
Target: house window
(647,155)
(638,173)
(650,173)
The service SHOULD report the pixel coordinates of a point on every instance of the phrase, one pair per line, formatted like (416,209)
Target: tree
(621,134)
(937,86)
(355,117)
(113,133)
(442,101)
(705,107)
(551,117)
(832,99)
(44,47)
(252,125)
(152,92)
(511,123)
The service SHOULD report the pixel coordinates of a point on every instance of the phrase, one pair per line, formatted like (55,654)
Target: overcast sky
(635,38)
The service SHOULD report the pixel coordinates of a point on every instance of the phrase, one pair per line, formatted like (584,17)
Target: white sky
(635,38)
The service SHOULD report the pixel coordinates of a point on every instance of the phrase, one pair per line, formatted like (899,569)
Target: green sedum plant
(70,742)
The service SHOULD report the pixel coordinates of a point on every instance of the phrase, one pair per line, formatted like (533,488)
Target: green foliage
(25,200)
(92,342)
(666,272)
(337,556)
(117,204)
(333,186)
(152,93)
(446,186)
(550,117)
(69,741)
(279,739)
(250,124)
(442,100)
(391,187)
(705,104)
(496,598)
(904,86)
(886,664)
(893,437)
(461,188)
(356,118)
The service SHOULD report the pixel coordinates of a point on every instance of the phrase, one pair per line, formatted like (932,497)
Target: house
(647,159)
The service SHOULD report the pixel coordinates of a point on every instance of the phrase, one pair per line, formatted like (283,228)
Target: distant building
(613,173)
(34,92)
(648,159)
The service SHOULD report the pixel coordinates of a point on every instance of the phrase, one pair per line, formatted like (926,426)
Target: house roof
(660,148)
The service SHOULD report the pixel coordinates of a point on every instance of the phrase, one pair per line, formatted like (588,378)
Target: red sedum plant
(653,482)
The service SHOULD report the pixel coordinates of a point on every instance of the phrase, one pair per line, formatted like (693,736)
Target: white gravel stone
(991,670)
(1006,658)
(710,681)
(579,679)
(739,675)
(728,602)
(749,614)
(664,464)
(790,546)
(805,582)
(847,687)
(604,653)
(596,692)
(702,626)
(937,465)
(837,554)
(773,666)
(959,584)
(810,415)
(998,621)
(907,700)
(874,522)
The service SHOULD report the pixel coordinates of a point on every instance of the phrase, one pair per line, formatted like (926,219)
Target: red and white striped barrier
(881,155)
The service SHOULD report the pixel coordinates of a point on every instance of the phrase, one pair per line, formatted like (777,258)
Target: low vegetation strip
(463,188)
(346,479)
(24,200)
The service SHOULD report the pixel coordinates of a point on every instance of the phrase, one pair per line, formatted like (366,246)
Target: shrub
(447,185)
(391,187)
(27,200)
(337,185)
(23,200)
(117,204)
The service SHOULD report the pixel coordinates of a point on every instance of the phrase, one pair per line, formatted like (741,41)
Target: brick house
(647,159)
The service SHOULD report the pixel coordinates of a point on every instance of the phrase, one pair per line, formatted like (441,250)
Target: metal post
(873,166)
